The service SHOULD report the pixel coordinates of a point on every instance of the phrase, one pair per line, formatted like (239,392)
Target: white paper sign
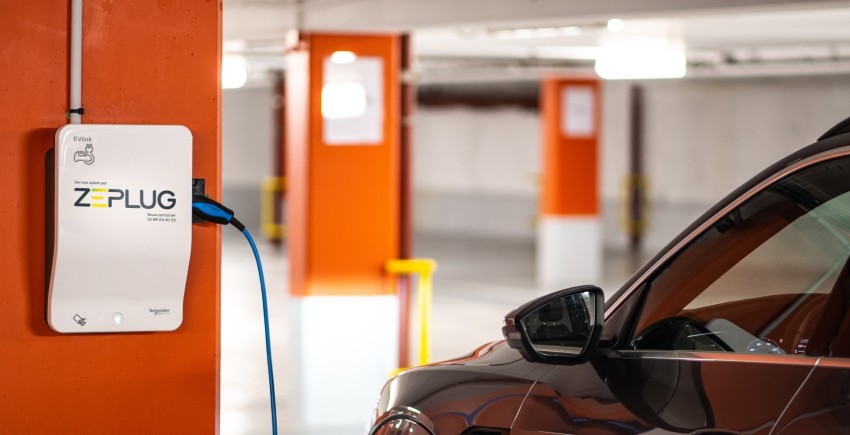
(353,101)
(577,111)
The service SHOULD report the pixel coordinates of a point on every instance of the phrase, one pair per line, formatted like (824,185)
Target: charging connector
(214,212)
(199,188)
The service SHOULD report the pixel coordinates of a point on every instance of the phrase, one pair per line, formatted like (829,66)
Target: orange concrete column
(343,137)
(569,236)
(143,63)
(343,186)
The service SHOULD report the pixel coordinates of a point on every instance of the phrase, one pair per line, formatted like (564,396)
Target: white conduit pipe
(76,100)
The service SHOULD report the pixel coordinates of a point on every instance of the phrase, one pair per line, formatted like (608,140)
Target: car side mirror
(562,327)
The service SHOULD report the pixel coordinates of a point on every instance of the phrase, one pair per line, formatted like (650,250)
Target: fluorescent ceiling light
(234,71)
(640,62)
(343,100)
(343,57)
(536,32)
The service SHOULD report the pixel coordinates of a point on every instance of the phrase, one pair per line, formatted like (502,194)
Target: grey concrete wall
(476,170)
(247,149)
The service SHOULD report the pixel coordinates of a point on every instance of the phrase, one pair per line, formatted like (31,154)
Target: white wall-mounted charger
(123,235)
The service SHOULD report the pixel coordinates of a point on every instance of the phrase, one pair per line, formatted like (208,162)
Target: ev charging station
(122,219)
(124,206)
(123,235)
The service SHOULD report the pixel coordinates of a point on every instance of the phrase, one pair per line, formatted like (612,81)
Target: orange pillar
(343,217)
(143,63)
(569,236)
(343,186)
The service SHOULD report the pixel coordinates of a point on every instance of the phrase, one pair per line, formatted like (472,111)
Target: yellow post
(271,186)
(422,268)
(632,225)
(425,297)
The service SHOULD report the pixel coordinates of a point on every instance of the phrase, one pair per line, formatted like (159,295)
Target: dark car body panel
(622,393)
(482,390)
(823,403)
(635,391)
(622,390)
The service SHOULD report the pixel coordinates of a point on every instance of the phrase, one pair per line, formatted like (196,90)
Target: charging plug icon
(86,156)
(80,320)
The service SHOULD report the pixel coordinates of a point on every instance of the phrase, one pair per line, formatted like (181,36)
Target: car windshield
(771,276)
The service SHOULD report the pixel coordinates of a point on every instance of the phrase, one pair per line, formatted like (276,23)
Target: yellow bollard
(271,186)
(423,268)
(632,226)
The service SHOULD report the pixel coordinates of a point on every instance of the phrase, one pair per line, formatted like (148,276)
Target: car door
(823,403)
(729,325)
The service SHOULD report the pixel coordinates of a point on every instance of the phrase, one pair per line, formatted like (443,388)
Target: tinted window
(769,277)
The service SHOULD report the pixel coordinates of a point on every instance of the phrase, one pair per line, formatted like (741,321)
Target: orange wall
(146,63)
(343,201)
(570,164)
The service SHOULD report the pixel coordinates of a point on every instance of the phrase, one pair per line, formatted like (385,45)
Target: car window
(771,276)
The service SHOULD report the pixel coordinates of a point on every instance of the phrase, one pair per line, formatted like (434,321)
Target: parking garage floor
(477,282)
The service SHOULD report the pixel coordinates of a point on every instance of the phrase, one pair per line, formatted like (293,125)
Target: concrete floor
(478,281)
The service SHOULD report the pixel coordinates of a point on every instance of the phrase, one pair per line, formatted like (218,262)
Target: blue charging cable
(217,213)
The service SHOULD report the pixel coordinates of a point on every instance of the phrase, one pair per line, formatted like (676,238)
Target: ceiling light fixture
(234,71)
(537,32)
(615,25)
(343,57)
(640,62)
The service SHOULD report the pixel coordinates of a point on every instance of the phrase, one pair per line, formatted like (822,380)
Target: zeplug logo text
(103,198)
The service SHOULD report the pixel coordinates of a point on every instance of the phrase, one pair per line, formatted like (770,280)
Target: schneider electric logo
(106,198)
(160,311)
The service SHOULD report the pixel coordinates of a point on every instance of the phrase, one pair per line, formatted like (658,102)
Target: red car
(739,326)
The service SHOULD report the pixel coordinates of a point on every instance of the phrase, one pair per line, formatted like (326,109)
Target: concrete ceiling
(486,38)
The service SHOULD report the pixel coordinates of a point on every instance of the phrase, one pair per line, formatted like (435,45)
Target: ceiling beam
(400,15)
(250,21)
(246,20)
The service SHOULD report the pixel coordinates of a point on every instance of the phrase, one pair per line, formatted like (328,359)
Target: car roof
(837,129)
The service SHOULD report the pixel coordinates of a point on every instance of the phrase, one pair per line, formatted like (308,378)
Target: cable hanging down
(215,212)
